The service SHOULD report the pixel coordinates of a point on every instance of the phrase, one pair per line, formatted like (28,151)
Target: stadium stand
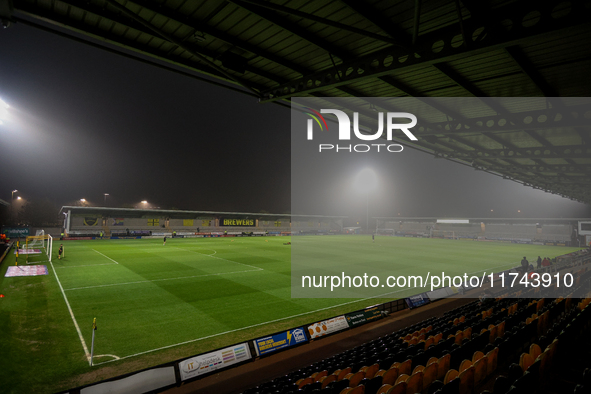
(470,349)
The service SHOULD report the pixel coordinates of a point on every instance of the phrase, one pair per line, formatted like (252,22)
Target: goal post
(37,245)
(443,234)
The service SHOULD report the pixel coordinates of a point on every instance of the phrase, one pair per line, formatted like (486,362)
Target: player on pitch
(60,252)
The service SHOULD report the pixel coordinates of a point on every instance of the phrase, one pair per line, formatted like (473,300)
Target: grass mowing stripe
(158,280)
(86,265)
(105,256)
(216,257)
(251,326)
(72,315)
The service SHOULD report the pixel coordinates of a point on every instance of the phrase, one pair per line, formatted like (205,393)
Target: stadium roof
(274,50)
(180,214)
(476,220)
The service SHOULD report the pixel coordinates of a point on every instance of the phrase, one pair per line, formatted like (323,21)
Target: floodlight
(82,200)
(144,202)
(19,198)
(367,180)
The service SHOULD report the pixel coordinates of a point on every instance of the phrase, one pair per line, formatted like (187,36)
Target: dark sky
(87,122)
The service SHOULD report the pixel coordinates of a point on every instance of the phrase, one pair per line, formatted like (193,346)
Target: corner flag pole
(92,345)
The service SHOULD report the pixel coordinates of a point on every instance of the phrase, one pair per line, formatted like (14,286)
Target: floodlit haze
(84,122)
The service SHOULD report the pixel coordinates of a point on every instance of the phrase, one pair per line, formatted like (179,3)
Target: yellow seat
(305,382)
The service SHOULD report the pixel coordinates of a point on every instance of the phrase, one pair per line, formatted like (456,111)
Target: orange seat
(492,358)
(305,382)
(480,370)
(405,367)
(534,351)
(443,366)
(432,360)
(477,356)
(525,361)
(429,375)
(399,388)
(327,380)
(450,375)
(401,378)
(414,384)
(343,373)
(356,378)
(467,380)
(417,369)
(465,365)
(390,376)
(384,389)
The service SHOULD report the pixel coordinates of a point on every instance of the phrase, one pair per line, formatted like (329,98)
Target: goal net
(443,234)
(38,248)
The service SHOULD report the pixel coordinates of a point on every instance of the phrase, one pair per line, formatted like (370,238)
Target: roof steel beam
(324,21)
(179,43)
(384,62)
(294,28)
(530,70)
(379,20)
(163,10)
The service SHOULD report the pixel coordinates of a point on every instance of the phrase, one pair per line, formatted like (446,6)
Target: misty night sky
(88,122)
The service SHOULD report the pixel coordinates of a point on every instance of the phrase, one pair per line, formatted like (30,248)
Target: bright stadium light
(144,202)
(3,111)
(82,200)
(19,198)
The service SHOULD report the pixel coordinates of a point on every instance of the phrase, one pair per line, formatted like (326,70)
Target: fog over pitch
(90,122)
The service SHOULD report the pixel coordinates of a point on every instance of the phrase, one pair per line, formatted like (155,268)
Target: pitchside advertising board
(417,300)
(16,232)
(361,317)
(329,326)
(219,359)
(279,341)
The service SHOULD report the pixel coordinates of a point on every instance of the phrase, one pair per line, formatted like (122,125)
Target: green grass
(156,303)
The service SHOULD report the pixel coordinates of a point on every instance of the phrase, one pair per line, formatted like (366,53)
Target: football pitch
(155,303)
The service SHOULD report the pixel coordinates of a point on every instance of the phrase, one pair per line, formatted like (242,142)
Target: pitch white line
(252,326)
(105,256)
(215,257)
(159,280)
(72,315)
